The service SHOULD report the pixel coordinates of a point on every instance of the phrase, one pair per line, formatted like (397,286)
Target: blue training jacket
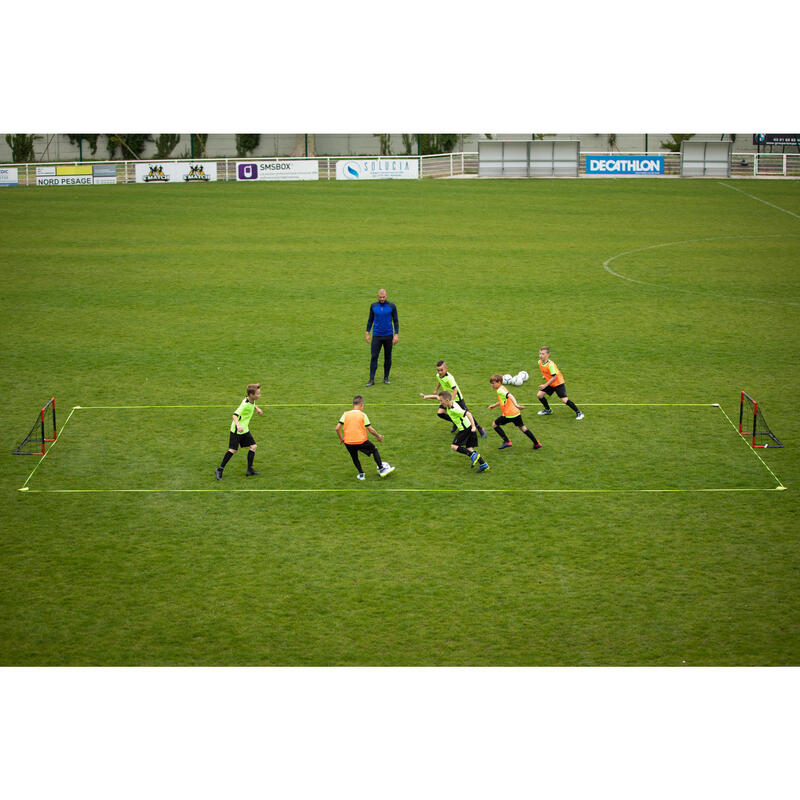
(383,315)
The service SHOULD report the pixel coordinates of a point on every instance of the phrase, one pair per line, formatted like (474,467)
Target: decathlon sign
(277,170)
(624,165)
(377,169)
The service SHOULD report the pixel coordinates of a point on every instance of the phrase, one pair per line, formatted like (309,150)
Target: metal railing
(447,165)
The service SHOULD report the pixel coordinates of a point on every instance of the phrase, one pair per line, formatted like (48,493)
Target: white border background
(403,733)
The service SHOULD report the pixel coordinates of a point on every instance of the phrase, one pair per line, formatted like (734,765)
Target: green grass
(181,295)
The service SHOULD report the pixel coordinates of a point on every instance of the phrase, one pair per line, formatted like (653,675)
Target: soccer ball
(507,379)
(516,380)
(385,464)
(524,375)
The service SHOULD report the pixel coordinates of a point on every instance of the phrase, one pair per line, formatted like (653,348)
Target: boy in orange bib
(554,382)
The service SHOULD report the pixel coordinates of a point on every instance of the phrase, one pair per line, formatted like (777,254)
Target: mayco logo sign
(624,165)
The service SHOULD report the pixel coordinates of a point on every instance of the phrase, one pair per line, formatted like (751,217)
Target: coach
(385,327)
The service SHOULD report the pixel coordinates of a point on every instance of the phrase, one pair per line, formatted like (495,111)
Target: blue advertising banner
(624,165)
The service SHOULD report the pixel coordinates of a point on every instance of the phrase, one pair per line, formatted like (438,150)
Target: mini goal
(36,441)
(753,424)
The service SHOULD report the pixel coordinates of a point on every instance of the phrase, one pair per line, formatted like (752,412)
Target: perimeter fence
(446,165)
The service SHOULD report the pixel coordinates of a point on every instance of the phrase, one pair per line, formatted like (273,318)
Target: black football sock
(462,449)
(250,456)
(572,406)
(543,401)
(226,458)
(502,434)
(377,456)
(529,434)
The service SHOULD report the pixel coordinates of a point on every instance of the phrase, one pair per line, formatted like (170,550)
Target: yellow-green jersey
(448,384)
(458,414)
(245,413)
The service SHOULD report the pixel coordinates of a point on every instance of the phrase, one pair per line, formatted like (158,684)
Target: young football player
(466,438)
(352,432)
(240,435)
(448,383)
(511,412)
(554,382)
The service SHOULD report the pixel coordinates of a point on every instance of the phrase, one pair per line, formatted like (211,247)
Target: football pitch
(648,533)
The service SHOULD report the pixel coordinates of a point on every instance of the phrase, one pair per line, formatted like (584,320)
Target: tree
(431,143)
(165,144)
(246,143)
(199,144)
(386,143)
(21,145)
(91,138)
(130,145)
(675,145)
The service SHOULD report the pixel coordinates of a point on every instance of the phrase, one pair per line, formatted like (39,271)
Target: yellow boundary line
(25,487)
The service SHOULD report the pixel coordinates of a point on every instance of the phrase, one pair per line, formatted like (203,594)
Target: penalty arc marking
(607,267)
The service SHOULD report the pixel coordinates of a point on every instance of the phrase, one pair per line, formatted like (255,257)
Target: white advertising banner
(75,174)
(9,176)
(65,175)
(371,169)
(277,170)
(170,172)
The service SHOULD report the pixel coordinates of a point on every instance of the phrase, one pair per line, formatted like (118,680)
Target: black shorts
(467,438)
(506,420)
(365,447)
(237,440)
(560,390)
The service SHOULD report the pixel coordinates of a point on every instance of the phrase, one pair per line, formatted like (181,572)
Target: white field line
(765,202)
(44,455)
(748,299)
(753,450)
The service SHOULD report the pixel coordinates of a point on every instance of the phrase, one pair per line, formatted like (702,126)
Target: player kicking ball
(554,382)
(352,432)
(466,438)
(511,413)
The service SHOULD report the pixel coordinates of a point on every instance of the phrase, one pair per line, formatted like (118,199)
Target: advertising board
(9,176)
(277,170)
(371,169)
(173,172)
(75,174)
(624,165)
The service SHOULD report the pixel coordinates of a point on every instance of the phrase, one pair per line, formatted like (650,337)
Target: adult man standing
(383,322)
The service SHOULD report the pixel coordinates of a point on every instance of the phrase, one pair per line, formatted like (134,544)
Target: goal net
(43,431)
(753,424)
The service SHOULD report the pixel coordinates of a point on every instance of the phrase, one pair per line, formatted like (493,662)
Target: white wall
(57,147)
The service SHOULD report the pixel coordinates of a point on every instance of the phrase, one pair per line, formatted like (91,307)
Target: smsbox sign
(277,170)
(624,165)
(171,172)
(377,169)
(9,176)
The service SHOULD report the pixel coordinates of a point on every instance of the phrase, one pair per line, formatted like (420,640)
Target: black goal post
(43,431)
(753,425)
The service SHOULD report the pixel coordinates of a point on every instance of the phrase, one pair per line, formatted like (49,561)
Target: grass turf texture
(181,295)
